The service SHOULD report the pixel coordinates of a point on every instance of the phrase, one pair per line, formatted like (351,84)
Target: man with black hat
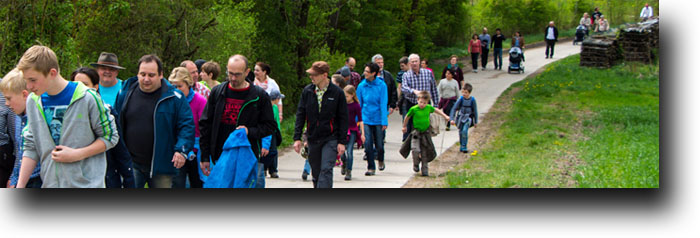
(323,109)
(108,68)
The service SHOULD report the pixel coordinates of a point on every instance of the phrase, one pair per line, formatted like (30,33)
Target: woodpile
(600,51)
(637,41)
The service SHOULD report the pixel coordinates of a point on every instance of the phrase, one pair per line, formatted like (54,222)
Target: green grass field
(573,126)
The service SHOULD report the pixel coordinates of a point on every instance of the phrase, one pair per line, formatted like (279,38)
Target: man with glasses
(232,105)
(324,111)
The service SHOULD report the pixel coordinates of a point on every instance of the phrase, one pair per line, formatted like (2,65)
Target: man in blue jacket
(156,123)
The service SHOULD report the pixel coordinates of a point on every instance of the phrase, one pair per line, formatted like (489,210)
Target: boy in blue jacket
(466,115)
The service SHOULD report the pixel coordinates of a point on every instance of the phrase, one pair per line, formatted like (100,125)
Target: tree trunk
(302,42)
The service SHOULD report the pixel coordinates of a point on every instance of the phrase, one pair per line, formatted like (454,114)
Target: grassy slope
(574,127)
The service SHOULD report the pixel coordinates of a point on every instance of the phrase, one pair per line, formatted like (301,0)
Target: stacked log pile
(638,40)
(599,52)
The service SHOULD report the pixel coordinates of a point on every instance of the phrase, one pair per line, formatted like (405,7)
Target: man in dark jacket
(232,105)
(156,122)
(324,111)
(550,37)
(389,80)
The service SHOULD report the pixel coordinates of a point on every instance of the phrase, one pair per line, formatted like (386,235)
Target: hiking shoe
(304,175)
(382,166)
(347,175)
(415,168)
(369,172)
(342,170)
(447,128)
(274,175)
(424,173)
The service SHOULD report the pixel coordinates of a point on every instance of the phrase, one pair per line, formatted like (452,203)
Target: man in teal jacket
(157,125)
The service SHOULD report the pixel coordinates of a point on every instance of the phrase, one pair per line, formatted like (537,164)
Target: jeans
(475,61)
(550,45)
(464,135)
(347,157)
(260,180)
(307,167)
(189,170)
(374,142)
(484,56)
(497,58)
(142,176)
(322,160)
(119,167)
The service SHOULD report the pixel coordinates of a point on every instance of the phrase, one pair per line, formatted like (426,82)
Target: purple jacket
(197,103)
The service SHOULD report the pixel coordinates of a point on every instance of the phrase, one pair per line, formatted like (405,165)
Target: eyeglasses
(234,75)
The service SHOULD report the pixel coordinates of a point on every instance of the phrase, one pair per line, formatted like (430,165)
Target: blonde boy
(420,142)
(14,89)
(80,129)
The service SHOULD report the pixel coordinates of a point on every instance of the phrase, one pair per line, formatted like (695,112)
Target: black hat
(107,60)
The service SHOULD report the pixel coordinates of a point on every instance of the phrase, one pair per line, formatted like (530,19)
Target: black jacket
(331,123)
(391,88)
(256,115)
(556,33)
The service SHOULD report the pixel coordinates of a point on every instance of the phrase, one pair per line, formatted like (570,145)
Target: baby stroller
(516,60)
(581,32)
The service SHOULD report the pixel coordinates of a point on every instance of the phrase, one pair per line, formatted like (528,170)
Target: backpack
(461,108)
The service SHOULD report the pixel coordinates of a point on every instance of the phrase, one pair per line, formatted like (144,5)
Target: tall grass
(573,127)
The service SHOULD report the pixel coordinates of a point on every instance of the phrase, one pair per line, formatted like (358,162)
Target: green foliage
(574,126)
(288,35)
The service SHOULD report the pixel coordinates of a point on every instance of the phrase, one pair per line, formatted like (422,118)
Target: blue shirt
(109,94)
(55,107)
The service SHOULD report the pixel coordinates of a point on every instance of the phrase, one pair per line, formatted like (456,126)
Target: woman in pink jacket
(180,78)
(475,49)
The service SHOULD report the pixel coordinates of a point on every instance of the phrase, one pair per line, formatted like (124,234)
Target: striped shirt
(423,81)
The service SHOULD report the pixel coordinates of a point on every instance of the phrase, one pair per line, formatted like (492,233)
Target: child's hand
(363,138)
(65,154)
(403,129)
(453,123)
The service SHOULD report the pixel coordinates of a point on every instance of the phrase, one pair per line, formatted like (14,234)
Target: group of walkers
(481,44)
(96,130)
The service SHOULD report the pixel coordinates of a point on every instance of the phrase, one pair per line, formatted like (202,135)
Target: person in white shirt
(647,12)
(550,37)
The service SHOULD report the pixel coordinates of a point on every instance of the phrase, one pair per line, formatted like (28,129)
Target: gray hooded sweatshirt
(85,120)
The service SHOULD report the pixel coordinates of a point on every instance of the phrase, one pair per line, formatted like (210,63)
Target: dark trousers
(322,159)
(270,160)
(34,182)
(189,170)
(119,168)
(409,125)
(550,45)
(475,61)
(484,56)
(7,163)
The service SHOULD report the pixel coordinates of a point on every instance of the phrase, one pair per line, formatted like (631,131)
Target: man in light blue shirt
(485,39)
(108,69)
